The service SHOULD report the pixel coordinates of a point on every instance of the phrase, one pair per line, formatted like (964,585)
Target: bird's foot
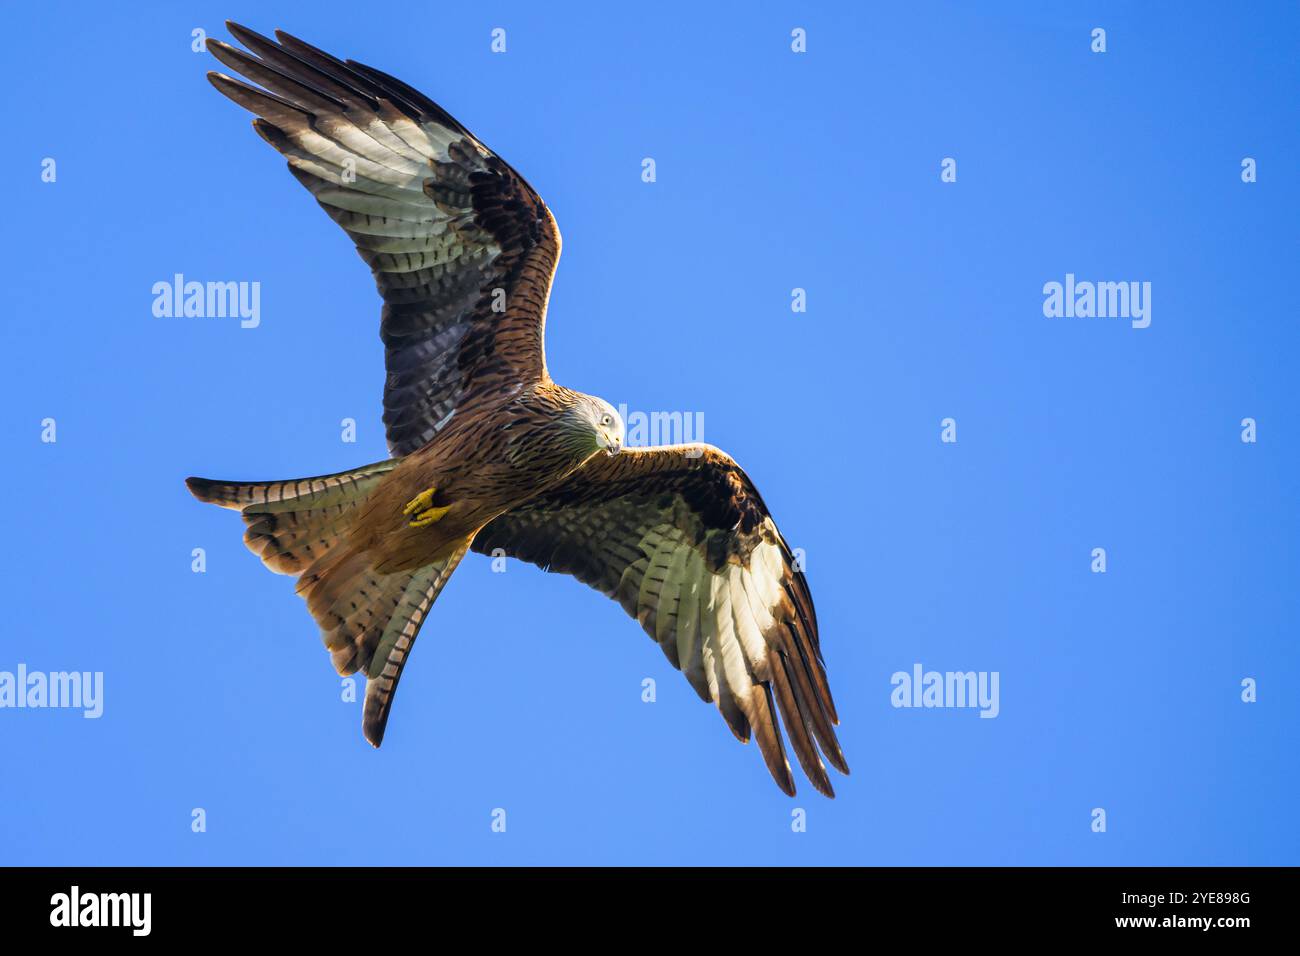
(422,511)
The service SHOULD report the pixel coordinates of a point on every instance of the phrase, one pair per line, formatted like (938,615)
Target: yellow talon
(420,501)
(429,516)
(420,505)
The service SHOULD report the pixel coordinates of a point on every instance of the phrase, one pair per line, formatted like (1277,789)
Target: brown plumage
(488,452)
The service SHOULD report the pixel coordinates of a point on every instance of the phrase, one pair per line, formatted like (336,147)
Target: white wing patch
(709,624)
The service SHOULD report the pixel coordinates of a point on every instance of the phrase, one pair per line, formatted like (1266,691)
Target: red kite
(490,453)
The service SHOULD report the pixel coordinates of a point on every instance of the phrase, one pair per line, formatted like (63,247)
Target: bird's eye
(606,420)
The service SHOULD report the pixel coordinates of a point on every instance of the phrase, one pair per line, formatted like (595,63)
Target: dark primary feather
(462,249)
(681,539)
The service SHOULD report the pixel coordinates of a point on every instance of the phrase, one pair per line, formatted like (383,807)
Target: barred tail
(368,619)
(293,524)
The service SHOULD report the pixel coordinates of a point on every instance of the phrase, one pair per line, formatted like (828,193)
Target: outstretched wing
(679,536)
(462,249)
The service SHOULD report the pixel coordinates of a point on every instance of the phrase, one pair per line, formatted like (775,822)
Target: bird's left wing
(463,250)
(680,537)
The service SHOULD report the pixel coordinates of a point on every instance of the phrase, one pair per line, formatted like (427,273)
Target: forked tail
(368,619)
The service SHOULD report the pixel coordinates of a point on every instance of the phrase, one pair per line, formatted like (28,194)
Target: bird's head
(599,423)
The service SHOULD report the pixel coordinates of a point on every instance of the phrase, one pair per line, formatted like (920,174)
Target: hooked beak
(611,444)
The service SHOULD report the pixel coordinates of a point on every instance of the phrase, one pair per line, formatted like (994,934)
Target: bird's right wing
(680,537)
(462,248)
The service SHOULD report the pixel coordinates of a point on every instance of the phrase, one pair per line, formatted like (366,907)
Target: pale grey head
(596,424)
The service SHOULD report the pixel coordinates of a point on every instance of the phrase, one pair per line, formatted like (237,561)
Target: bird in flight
(490,454)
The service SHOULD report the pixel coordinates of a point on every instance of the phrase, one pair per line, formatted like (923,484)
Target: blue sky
(775,171)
